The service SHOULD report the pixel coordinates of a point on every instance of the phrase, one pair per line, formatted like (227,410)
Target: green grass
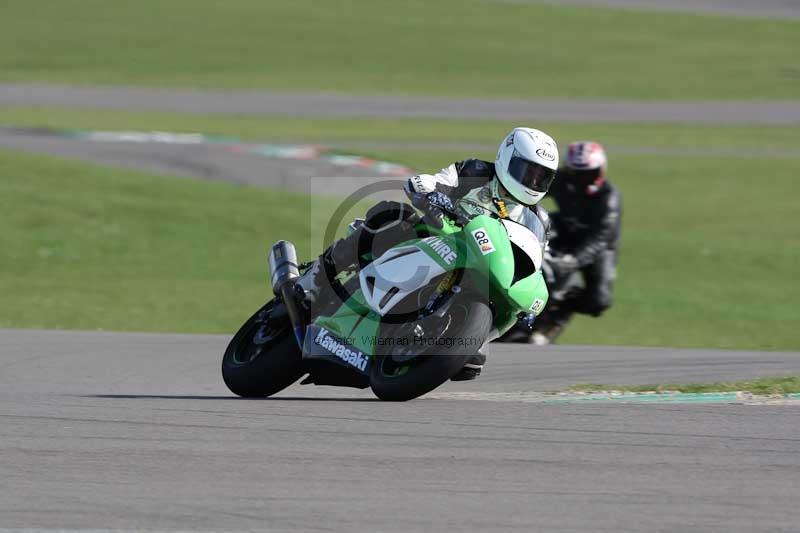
(386,133)
(89,247)
(449,47)
(762,386)
(708,260)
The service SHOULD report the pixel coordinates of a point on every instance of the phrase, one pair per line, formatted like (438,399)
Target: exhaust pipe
(284,272)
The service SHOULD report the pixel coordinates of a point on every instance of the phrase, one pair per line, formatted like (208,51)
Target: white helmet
(526,164)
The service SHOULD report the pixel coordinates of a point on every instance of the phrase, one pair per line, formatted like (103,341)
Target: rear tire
(255,370)
(464,320)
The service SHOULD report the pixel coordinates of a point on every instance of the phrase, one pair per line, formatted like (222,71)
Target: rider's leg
(386,224)
(599,276)
(593,300)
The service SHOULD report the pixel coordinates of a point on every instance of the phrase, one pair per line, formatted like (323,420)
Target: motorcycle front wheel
(263,357)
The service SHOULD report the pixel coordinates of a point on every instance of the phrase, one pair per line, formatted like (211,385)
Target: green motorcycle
(403,322)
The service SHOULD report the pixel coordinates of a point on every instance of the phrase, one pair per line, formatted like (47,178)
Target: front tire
(263,357)
(458,336)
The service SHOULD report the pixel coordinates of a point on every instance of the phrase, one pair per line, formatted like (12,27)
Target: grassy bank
(450,47)
(89,247)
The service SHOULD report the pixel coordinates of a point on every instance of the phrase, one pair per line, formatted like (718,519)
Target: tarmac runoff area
(125,431)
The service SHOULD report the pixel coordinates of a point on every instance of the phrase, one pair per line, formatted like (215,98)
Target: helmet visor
(582,177)
(531,175)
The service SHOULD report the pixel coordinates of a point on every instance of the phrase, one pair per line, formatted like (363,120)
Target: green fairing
(355,323)
(492,272)
(527,290)
(498,268)
(489,271)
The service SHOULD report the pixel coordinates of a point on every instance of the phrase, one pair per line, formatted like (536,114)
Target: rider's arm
(443,181)
(598,238)
(455,180)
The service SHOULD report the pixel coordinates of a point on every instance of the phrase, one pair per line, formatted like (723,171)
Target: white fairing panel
(526,240)
(396,274)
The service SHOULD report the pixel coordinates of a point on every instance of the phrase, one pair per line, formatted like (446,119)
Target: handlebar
(458,216)
(453,214)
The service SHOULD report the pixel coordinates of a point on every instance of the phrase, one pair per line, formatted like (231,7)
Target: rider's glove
(440,200)
(563,265)
(435,205)
(432,203)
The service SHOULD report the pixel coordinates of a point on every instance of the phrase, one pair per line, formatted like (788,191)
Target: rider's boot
(550,325)
(339,256)
(311,283)
(539,339)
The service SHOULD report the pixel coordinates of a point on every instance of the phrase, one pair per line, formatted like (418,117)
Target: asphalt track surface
(137,432)
(232,163)
(242,163)
(339,105)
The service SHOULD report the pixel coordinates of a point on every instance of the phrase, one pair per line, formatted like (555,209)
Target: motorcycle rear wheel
(461,334)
